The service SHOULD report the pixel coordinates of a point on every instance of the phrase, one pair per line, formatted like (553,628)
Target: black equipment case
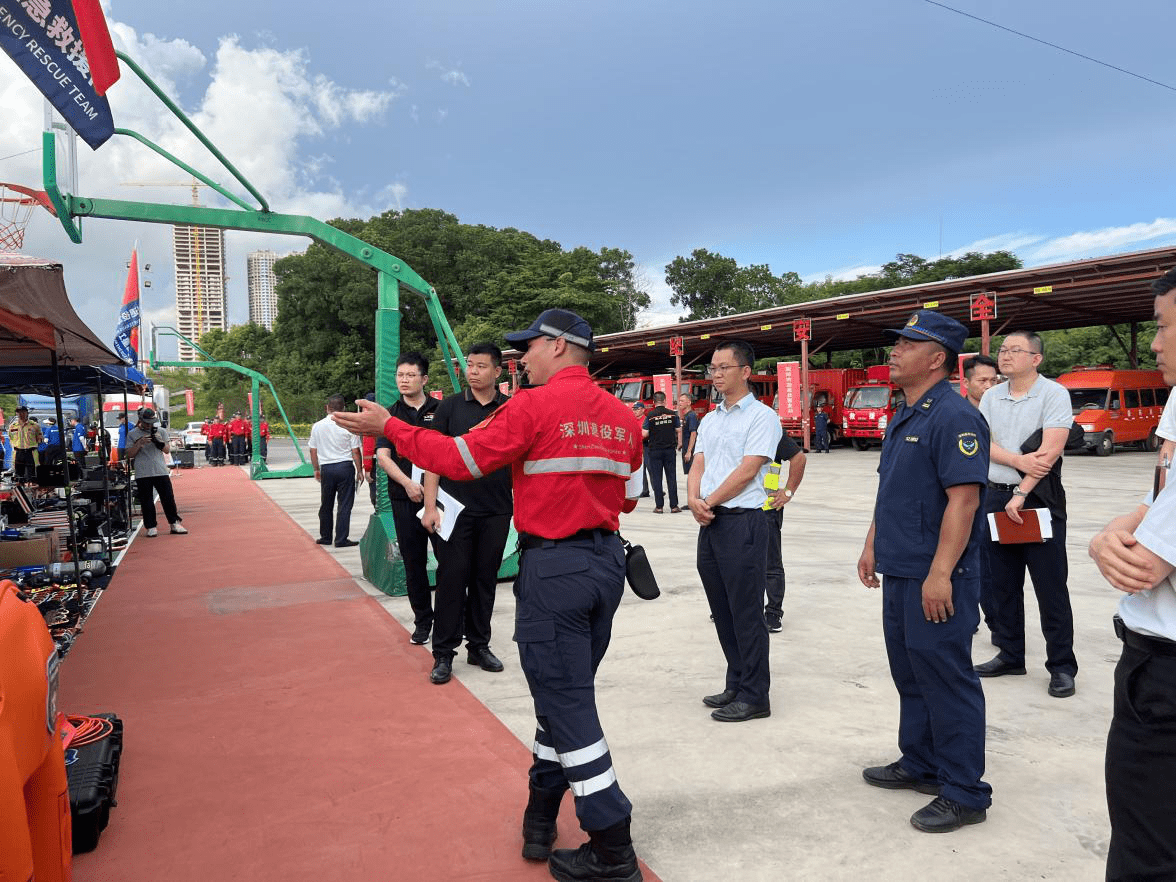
(92,770)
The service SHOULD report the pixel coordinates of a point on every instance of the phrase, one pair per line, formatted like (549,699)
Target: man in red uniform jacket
(238,429)
(572,449)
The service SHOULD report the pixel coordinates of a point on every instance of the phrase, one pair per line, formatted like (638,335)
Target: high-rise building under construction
(201,304)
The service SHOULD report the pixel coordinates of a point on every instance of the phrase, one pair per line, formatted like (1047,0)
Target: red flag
(97,44)
(190,401)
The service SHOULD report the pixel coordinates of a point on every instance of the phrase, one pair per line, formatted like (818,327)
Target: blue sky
(816,137)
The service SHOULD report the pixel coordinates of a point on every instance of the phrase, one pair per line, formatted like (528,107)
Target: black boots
(607,856)
(539,822)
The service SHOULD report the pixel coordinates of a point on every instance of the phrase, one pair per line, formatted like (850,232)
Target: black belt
(1144,642)
(527,540)
(1007,488)
(724,510)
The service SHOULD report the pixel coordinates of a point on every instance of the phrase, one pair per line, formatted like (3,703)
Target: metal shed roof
(1098,291)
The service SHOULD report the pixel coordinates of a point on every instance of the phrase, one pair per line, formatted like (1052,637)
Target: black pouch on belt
(638,572)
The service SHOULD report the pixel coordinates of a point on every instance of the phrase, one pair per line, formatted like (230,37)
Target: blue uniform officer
(925,541)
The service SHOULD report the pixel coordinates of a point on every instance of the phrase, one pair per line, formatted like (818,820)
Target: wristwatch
(1017,491)
(787,493)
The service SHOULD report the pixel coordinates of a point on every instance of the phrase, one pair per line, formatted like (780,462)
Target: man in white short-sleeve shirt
(1029,417)
(1136,554)
(337,457)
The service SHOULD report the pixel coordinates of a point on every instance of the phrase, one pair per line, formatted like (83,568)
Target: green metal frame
(258,470)
(381,562)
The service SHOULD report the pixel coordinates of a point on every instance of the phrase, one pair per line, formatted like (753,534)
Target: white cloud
(845,273)
(1108,240)
(267,110)
(453,76)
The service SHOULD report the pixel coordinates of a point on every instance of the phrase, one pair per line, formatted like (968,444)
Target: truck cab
(869,407)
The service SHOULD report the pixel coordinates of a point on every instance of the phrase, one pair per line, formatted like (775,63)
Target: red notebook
(1037,527)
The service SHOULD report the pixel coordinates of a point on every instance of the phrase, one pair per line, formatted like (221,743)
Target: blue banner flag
(126,335)
(42,37)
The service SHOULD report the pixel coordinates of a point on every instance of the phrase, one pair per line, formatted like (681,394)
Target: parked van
(1116,406)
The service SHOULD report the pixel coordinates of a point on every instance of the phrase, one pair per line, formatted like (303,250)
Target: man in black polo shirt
(405,495)
(468,562)
(662,431)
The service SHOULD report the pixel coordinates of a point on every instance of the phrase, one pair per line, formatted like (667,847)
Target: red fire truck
(641,388)
(827,387)
(869,407)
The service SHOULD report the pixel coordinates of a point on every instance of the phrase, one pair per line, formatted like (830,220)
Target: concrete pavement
(783,798)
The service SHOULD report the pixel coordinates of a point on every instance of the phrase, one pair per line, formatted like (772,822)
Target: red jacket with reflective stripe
(570,445)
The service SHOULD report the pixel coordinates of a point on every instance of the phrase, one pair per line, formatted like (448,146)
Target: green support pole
(378,551)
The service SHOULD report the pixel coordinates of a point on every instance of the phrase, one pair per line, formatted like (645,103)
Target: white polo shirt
(332,442)
(1153,612)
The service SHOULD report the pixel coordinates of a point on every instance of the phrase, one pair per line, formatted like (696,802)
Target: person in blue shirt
(821,425)
(925,541)
(50,436)
(78,440)
(725,491)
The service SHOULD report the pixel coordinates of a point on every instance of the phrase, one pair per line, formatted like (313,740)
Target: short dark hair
(487,349)
(659,397)
(976,361)
(1164,283)
(744,354)
(1035,341)
(417,360)
(336,402)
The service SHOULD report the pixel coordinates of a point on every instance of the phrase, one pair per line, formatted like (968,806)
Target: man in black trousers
(468,561)
(662,432)
(407,496)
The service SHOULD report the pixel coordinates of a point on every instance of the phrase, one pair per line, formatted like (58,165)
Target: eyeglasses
(1005,350)
(712,369)
(403,376)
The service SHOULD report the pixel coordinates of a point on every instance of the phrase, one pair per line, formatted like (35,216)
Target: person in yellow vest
(25,435)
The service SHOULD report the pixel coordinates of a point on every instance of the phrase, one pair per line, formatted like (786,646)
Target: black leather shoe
(442,671)
(944,815)
(998,667)
(740,711)
(346,543)
(722,699)
(321,541)
(420,636)
(895,777)
(1061,685)
(484,659)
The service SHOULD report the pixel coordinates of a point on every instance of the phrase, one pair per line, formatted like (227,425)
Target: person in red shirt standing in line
(237,430)
(572,449)
(218,434)
(263,433)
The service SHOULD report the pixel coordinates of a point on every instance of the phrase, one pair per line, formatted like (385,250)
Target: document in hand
(449,507)
(1037,527)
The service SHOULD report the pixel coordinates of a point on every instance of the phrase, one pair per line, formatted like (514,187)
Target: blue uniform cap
(557,323)
(926,324)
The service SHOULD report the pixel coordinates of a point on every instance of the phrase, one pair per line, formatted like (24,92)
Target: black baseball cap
(147,415)
(556,323)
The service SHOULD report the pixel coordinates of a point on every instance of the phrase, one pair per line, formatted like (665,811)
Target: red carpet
(279,725)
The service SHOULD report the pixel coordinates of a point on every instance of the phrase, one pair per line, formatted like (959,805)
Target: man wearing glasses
(725,491)
(407,496)
(1023,406)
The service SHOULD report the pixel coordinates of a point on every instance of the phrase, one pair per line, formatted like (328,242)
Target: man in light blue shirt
(736,442)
